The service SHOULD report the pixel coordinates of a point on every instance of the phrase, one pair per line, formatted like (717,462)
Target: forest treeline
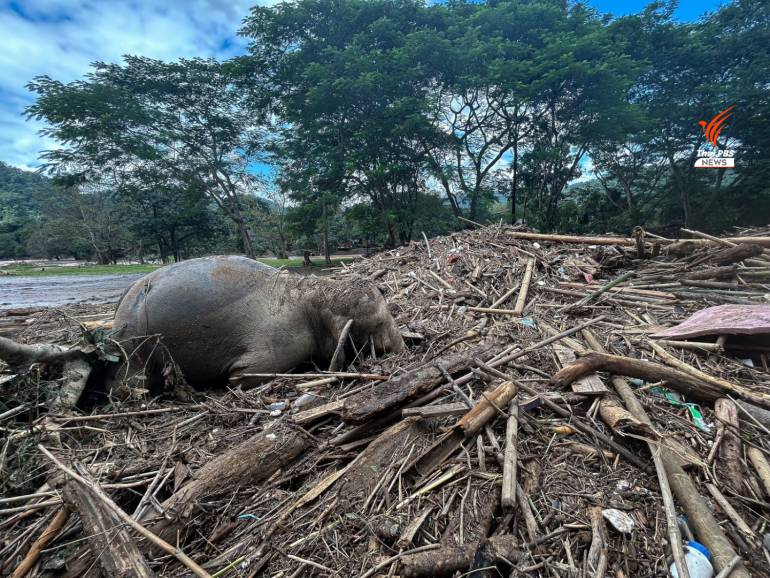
(370,121)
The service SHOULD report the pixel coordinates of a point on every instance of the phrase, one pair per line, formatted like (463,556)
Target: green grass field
(26,270)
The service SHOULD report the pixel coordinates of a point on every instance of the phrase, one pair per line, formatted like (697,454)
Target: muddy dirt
(55,291)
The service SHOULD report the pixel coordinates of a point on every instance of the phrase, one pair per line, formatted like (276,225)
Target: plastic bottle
(697,557)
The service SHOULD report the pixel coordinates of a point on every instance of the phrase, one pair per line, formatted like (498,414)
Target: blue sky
(61,38)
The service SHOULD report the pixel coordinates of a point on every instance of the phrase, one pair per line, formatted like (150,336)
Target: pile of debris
(548,418)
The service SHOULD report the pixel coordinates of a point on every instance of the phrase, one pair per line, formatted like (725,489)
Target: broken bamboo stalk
(466,427)
(526,512)
(669,508)
(761,466)
(338,374)
(510,459)
(628,241)
(522,298)
(693,345)
(493,311)
(732,514)
(433,411)
(728,570)
(575,239)
(504,357)
(603,289)
(717,240)
(505,296)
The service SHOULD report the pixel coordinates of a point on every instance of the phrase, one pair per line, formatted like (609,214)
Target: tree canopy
(381,119)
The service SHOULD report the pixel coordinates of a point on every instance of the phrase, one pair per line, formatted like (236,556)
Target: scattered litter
(621,521)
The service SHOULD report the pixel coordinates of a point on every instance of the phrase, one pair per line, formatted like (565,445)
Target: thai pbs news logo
(714,157)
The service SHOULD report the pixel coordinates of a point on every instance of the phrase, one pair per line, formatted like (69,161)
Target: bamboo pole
(629,241)
(522,298)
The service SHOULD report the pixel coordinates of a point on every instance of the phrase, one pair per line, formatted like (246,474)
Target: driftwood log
(444,561)
(734,254)
(682,382)
(392,393)
(118,554)
(250,462)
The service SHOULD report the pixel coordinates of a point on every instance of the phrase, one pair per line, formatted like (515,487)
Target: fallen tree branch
(363,406)
(685,383)
(18,354)
(250,462)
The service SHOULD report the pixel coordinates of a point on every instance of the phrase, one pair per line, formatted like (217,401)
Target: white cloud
(61,38)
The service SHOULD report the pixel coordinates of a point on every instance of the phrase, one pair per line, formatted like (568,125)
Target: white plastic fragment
(621,521)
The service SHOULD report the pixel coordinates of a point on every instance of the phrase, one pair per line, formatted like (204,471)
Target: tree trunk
(514,179)
(474,207)
(174,245)
(243,232)
(248,463)
(283,253)
(327,255)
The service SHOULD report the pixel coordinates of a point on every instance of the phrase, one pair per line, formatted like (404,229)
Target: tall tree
(182,124)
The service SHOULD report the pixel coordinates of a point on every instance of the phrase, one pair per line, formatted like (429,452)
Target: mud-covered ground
(24,291)
(55,291)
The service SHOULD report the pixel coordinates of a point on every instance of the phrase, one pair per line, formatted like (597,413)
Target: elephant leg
(243,370)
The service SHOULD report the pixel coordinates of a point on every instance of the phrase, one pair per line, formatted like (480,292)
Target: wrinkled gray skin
(220,317)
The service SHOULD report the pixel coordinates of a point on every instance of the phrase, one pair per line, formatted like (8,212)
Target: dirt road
(55,291)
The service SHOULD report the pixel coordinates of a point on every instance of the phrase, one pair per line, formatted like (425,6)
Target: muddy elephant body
(221,317)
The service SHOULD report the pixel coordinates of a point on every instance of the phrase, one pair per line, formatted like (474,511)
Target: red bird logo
(714,128)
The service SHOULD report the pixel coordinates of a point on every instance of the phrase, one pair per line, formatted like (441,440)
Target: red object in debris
(722,320)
